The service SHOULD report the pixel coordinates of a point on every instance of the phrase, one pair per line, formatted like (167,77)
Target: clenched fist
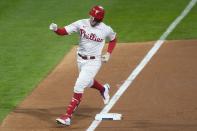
(53,27)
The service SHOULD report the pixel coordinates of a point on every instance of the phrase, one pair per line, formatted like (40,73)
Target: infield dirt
(162,97)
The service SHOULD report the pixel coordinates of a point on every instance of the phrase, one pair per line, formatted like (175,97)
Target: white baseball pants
(87,72)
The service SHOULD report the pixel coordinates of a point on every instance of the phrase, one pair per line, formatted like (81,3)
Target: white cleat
(63,120)
(105,94)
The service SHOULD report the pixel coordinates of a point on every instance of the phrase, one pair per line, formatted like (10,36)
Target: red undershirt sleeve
(61,31)
(111,45)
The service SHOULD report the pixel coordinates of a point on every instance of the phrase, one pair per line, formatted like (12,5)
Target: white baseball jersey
(92,39)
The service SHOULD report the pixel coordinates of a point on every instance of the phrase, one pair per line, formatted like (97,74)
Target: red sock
(73,104)
(97,86)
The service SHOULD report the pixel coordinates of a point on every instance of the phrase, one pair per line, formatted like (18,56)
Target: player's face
(93,21)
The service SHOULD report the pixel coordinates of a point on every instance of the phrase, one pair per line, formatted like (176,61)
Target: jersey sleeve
(111,34)
(73,27)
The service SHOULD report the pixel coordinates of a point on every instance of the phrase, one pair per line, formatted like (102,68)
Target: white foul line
(142,64)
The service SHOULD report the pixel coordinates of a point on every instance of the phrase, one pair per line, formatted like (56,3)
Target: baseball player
(93,33)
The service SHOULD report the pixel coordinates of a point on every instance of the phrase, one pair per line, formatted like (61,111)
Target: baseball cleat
(64,120)
(105,94)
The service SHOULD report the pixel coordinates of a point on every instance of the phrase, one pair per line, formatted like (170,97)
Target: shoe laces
(102,93)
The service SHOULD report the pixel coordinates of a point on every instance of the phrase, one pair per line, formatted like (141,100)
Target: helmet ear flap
(97,20)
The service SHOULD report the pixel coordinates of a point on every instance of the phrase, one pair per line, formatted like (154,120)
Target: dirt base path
(163,96)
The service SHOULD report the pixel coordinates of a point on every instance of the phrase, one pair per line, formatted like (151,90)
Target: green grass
(187,29)
(29,51)
(143,20)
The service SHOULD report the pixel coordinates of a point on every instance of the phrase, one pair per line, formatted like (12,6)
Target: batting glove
(53,27)
(105,57)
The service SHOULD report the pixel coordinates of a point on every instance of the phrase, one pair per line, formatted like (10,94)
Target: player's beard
(94,22)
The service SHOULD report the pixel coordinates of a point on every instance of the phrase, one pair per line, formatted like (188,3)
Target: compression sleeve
(111,45)
(61,31)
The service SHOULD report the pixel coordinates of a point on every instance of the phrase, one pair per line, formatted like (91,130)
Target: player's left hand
(105,57)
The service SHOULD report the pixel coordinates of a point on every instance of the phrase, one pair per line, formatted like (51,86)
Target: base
(108,116)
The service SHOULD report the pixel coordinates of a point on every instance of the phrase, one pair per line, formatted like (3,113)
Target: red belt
(86,57)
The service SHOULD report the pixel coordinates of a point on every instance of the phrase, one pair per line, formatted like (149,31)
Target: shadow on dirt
(49,115)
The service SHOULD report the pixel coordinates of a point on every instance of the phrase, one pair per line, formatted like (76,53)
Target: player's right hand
(105,58)
(53,27)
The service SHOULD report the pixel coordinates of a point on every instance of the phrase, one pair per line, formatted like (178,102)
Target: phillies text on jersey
(91,36)
(92,39)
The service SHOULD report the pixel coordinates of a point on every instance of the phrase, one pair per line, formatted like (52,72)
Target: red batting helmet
(97,12)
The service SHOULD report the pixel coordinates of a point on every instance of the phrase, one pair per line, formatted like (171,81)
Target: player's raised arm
(59,31)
